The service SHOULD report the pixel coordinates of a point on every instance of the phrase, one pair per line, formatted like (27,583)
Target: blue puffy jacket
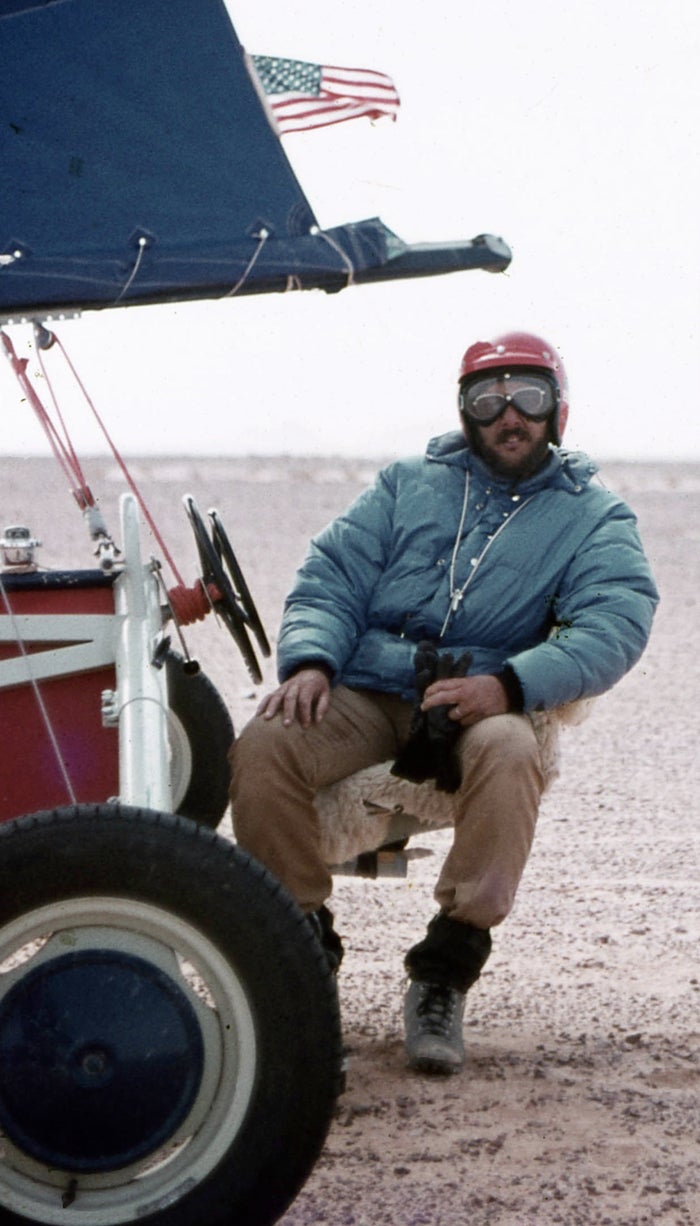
(561,590)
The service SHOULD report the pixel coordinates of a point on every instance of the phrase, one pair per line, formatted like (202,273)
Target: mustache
(509,432)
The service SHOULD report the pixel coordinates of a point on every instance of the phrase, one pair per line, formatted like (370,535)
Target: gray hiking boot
(433,1018)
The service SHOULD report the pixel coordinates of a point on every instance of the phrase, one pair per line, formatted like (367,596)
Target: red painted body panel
(30,775)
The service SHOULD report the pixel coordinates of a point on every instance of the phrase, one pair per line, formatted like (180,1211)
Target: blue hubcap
(101,1058)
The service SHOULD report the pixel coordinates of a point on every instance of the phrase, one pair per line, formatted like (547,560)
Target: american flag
(305,95)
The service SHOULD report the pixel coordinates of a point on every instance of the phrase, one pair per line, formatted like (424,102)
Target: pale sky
(567,127)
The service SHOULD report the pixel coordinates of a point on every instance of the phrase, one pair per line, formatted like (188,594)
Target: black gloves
(429,750)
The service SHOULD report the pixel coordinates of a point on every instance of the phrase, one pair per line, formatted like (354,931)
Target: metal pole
(141,699)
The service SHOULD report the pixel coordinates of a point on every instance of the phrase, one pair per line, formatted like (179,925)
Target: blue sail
(139,165)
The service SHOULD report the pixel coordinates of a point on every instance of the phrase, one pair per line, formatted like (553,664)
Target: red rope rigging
(60,439)
(61,447)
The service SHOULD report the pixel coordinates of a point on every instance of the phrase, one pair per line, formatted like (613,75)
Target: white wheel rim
(230,1055)
(180,752)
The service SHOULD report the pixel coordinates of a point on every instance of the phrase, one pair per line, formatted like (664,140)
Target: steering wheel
(223,547)
(226,604)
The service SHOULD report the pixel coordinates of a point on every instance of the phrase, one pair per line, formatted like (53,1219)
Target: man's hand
(304,696)
(470,699)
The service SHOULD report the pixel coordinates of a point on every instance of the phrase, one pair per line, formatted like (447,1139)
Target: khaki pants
(277,770)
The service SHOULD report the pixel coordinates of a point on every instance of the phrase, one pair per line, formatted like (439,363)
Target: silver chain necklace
(457,593)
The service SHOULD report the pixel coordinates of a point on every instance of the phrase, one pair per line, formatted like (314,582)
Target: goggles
(534,397)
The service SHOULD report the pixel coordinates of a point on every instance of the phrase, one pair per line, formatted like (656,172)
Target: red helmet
(520,349)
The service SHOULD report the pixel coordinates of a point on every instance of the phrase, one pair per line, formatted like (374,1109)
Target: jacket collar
(567,470)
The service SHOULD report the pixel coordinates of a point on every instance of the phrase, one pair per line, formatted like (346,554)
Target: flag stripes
(303,96)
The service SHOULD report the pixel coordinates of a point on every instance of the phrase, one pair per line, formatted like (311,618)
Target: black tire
(200,732)
(132,889)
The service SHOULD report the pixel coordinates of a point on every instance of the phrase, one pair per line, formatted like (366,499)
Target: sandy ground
(579,1104)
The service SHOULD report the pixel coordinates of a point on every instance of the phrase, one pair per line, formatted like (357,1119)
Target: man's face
(513,445)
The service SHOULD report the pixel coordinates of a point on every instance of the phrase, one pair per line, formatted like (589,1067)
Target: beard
(524,464)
